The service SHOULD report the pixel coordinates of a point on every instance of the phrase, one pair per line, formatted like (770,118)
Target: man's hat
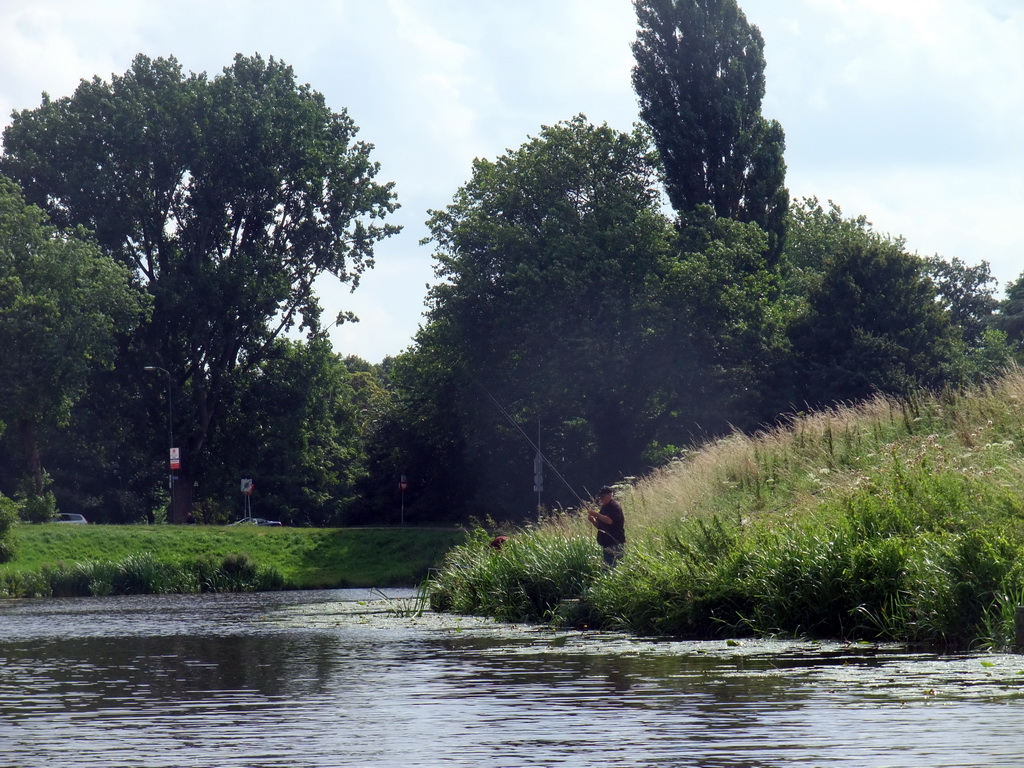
(605,489)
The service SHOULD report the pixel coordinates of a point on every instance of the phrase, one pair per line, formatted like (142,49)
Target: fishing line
(530,441)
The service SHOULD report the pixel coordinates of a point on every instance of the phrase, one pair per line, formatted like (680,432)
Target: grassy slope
(899,520)
(306,557)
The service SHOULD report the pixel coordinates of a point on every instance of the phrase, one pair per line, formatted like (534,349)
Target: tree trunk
(30,450)
(181,498)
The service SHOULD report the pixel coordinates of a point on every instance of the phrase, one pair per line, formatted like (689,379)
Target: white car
(255,521)
(67,517)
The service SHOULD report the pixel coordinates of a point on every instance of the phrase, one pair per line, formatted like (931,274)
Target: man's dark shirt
(612,534)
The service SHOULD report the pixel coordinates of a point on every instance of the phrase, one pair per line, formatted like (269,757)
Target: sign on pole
(175,458)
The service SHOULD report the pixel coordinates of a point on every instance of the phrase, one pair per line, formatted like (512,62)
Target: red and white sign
(175,458)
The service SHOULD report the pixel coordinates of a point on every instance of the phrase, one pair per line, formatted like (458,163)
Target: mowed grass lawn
(307,558)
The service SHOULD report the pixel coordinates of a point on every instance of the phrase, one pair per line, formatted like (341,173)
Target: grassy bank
(891,520)
(300,558)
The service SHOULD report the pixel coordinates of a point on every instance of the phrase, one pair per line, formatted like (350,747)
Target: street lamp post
(170,432)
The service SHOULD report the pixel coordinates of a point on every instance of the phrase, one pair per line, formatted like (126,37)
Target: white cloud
(908,112)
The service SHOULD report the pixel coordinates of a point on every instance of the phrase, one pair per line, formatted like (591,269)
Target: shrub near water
(8,516)
(526,580)
(891,521)
(142,575)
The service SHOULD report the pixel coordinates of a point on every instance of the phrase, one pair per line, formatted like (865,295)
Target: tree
(699,76)
(1010,319)
(291,426)
(724,325)
(813,234)
(966,293)
(227,197)
(108,461)
(569,304)
(819,241)
(418,428)
(61,300)
(871,324)
(543,259)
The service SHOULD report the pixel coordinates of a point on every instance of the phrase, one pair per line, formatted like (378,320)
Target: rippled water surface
(343,678)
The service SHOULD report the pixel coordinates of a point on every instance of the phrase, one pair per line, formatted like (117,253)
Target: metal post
(539,470)
(403,485)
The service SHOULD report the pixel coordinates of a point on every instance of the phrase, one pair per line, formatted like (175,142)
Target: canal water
(349,678)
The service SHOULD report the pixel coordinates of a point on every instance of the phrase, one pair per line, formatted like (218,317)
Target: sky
(910,112)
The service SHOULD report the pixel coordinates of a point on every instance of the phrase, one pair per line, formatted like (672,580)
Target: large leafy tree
(699,76)
(292,428)
(543,259)
(871,324)
(952,319)
(61,299)
(569,307)
(226,196)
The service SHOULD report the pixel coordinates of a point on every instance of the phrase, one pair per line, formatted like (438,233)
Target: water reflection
(330,679)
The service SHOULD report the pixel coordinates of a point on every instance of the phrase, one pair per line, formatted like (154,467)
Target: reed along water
(350,678)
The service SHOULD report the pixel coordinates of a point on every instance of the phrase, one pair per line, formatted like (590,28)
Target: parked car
(255,521)
(67,517)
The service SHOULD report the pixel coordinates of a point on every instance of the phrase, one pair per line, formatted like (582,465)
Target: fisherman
(611,526)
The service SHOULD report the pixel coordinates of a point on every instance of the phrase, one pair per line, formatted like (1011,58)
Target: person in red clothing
(611,526)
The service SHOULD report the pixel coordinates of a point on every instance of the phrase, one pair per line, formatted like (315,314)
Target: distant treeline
(604,299)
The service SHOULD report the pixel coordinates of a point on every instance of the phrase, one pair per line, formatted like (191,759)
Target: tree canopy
(699,76)
(61,302)
(226,196)
(544,259)
(569,304)
(871,323)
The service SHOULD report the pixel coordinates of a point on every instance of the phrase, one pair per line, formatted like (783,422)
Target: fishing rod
(533,445)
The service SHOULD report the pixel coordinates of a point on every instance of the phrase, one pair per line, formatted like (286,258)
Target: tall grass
(141,575)
(884,520)
(527,579)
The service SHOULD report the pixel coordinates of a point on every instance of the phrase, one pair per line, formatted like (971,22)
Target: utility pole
(538,468)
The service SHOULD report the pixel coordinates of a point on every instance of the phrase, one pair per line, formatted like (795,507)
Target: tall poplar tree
(699,77)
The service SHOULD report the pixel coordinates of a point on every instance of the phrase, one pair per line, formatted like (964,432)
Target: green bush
(526,580)
(8,517)
(142,574)
(684,583)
